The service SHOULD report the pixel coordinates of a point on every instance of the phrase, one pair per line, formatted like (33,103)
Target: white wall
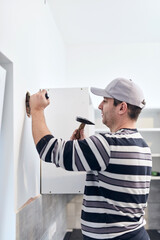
(31,40)
(96,65)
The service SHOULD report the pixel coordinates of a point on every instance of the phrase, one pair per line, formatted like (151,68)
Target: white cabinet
(149,126)
(65,105)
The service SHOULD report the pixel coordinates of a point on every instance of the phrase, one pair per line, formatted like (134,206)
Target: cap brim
(100,92)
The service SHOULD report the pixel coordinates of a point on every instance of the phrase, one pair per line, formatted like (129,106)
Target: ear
(122,108)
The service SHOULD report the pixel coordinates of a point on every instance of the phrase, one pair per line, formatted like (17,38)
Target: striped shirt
(118,167)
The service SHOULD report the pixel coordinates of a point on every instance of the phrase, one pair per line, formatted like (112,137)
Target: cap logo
(143,102)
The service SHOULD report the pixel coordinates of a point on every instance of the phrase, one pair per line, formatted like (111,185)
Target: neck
(128,124)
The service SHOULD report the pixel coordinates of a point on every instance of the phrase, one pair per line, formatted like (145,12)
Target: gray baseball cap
(123,90)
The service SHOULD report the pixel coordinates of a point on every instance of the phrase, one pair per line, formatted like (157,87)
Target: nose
(100,106)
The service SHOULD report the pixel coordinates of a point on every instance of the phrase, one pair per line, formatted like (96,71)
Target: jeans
(140,234)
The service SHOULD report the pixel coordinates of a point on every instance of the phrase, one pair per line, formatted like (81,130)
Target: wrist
(35,112)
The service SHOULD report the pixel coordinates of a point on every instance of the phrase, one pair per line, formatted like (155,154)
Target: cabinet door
(65,105)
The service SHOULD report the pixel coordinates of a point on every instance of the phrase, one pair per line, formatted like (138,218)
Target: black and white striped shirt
(118,167)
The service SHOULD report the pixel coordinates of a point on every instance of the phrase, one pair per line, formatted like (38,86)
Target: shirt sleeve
(92,153)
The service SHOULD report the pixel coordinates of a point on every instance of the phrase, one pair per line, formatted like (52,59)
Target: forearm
(39,127)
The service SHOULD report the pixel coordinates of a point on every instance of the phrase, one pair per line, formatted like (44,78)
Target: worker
(118,163)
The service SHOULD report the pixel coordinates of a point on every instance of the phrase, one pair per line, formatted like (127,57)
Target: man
(118,163)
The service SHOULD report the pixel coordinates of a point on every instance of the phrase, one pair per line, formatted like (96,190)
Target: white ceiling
(107,21)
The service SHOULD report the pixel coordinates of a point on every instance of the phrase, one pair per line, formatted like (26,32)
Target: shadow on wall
(28,166)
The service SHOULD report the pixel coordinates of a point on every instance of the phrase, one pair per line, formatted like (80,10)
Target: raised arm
(38,103)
